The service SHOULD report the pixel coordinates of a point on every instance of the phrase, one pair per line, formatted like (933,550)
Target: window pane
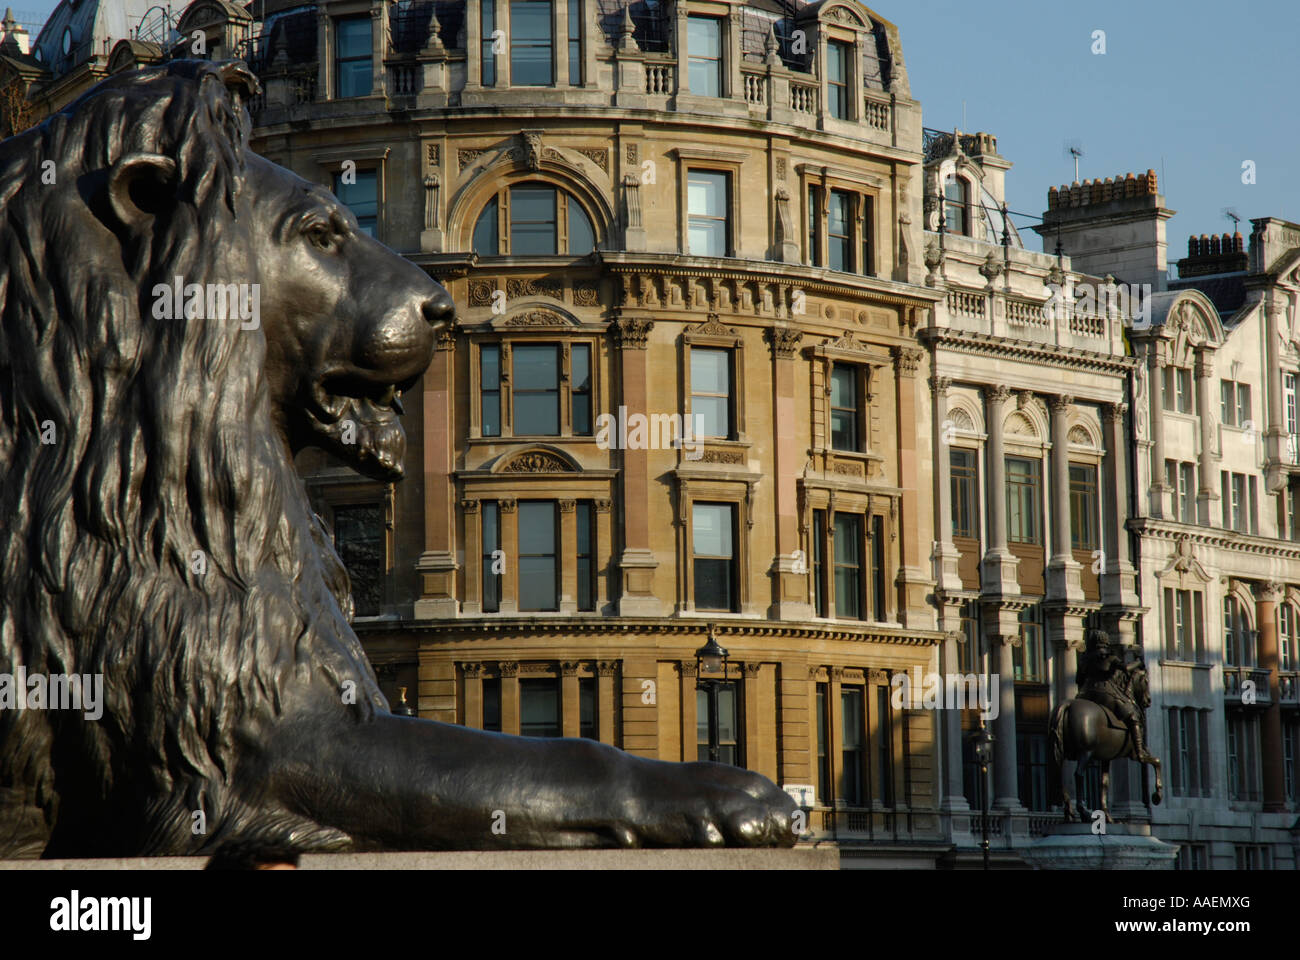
(537,390)
(580,377)
(361,197)
(704,46)
(587,704)
(490,377)
(532,221)
(352,55)
(582,238)
(487,19)
(539,707)
(712,529)
(359,540)
(354,78)
(837,59)
(530,43)
(491,543)
(839,231)
(485,231)
(710,371)
(844,408)
(537,566)
(492,704)
(354,37)
(586,549)
(706,203)
(848,566)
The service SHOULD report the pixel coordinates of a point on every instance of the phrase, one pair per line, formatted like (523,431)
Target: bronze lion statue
(154,533)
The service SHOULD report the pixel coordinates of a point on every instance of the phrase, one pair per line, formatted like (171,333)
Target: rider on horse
(1106,679)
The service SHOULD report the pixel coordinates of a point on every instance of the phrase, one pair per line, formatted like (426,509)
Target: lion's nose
(439,309)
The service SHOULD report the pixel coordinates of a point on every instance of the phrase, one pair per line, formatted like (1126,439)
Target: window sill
(1171,662)
(540,438)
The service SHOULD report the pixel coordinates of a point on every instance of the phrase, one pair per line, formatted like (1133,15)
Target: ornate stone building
(1219,526)
(1029,425)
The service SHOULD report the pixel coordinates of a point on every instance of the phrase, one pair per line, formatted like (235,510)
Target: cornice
(1215,537)
(963,341)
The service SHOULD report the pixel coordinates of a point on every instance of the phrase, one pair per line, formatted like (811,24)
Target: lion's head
(152,528)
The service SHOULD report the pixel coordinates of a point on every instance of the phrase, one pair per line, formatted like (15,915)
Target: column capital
(1114,412)
(1060,402)
(997,394)
(940,386)
(507,504)
(469,506)
(602,506)
(508,668)
(784,342)
(569,668)
(473,669)
(566,506)
(687,667)
(606,668)
(1270,592)
(631,333)
(907,359)
(1204,363)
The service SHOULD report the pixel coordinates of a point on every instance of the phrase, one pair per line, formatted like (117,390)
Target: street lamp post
(711,658)
(983,742)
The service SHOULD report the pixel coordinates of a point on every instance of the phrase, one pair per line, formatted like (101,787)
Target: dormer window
(956,206)
(531,62)
(704,51)
(838,57)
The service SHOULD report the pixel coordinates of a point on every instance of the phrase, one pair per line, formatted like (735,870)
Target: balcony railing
(803,97)
(659,78)
(1288,687)
(1234,685)
(876,113)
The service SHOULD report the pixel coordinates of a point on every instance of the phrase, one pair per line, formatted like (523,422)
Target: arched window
(533,219)
(1240,642)
(956,206)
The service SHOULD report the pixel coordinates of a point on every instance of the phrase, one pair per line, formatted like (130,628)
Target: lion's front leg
(403,783)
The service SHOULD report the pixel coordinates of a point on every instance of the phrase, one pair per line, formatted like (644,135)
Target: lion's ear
(140,186)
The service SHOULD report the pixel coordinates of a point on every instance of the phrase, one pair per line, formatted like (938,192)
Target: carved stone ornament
(536,461)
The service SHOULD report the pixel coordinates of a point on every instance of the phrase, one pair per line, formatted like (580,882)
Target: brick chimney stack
(1112,226)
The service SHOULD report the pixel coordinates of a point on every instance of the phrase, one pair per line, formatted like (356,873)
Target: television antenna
(1074,149)
(1231,214)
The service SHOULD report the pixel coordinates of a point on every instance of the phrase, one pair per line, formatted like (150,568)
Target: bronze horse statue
(1082,730)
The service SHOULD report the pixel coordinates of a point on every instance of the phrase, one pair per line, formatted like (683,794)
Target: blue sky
(1187,88)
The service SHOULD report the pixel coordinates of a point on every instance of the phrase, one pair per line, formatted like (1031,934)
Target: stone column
(1063,606)
(790,599)
(570,700)
(1119,575)
(796,738)
(835,741)
(999,564)
(473,680)
(954,799)
(732,85)
(437,564)
(509,522)
(1006,792)
(683,63)
(637,597)
(604,554)
(945,557)
(509,697)
(1267,597)
(1275,452)
(378,47)
(605,727)
(472,601)
(689,712)
(913,526)
(1159,506)
(560,41)
(1207,468)
(568,557)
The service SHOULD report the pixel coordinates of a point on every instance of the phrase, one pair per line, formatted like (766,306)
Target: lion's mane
(164,445)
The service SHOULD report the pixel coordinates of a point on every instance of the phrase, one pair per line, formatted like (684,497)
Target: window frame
(734,569)
(693,59)
(556,555)
(503,231)
(964,489)
(842,87)
(728,188)
(549,45)
(337,26)
(505,345)
(704,160)
(716,336)
(1034,492)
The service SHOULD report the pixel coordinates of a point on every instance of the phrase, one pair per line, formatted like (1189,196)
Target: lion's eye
(322,235)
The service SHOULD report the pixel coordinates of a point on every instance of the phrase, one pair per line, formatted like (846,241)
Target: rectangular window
(488,58)
(884,747)
(587,695)
(965,486)
(1187,492)
(1183,389)
(838,57)
(533,230)
(845,429)
(586,535)
(728,724)
(538,571)
(1031,758)
(848,566)
(819,563)
(839,231)
(1293,508)
(823,755)
(1227,403)
(575,43)
(1244,415)
(580,385)
(487,230)
(1024,478)
(814,226)
(536,390)
(1027,659)
(352,57)
(1290,745)
(853,746)
(530,43)
(706,209)
(704,54)
(716,571)
(490,391)
(1083,507)
(1239,502)
(1230,645)
(493,561)
(868,263)
(968,648)
(492,704)
(1291,417)
(1252,503)
(361,196)
(359,539)
(539,707)
(1286,636)
(712,404)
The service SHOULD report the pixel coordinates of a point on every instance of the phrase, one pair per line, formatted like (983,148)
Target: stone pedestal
(1124,846)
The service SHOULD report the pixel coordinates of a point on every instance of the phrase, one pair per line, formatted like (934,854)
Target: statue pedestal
(1124,846)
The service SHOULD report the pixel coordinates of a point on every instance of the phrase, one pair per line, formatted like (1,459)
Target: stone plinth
(1073,846)
(800,858)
